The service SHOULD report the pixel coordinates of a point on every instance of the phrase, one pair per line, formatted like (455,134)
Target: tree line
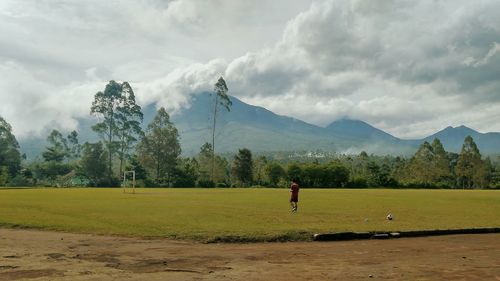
(430,167)
(155,156)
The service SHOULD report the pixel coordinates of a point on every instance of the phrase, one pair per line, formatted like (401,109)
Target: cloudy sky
(408,67)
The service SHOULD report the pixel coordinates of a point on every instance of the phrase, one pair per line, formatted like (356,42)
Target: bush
(183,182)
(72,179)
(140,183)
(113,182)
(206,183)
(284,183)
(415,184)
(51,170)
(20,180)
(357,183)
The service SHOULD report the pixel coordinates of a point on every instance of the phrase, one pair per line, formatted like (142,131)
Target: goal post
(126,180)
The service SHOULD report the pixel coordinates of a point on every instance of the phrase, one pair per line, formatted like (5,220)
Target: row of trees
(157,162)
(155,156)
(430,167)
(154,153)
(433,166)
(158,150)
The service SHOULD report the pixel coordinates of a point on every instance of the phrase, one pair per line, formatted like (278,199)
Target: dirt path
(41,255)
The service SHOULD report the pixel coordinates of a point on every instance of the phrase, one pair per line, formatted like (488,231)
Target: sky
(408,67)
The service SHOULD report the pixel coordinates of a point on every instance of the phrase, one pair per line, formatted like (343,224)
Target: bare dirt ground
(44,255)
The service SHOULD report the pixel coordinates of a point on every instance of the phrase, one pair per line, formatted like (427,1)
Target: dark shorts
(294,199)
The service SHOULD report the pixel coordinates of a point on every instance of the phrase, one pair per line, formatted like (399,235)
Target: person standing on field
(294,199)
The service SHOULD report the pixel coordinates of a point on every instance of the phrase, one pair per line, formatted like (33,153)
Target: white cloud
(30,105)
(55,55)
(409,67)
(174,90)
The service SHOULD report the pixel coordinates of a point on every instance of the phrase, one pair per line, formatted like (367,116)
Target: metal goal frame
(125,173)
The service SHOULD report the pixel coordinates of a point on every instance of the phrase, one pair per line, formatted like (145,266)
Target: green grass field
(244,214)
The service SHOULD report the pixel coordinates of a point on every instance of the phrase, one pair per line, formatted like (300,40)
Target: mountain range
(260,130)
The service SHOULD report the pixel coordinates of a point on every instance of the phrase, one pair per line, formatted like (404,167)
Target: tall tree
(93,162)
(10,157)
(260,165)
(206,166)
(441,164)
(359,166)
(58,149)
(294,171)
(419,169)
(4,175)
(129,122)
(484,175)
(375,176)
(275,173)
(335,174)
(105,106)
(243,166)
(135,165)
(120,120)
(221,99)
(159,150)
(469,164)
(186,173)
(399,170)
(74,147)
(430,166)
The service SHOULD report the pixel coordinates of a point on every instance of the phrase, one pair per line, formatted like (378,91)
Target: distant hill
(253,127)
(261,130)
(453,139)
(358,128)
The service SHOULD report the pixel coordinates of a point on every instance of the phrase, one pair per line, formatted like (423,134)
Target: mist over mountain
(260,130)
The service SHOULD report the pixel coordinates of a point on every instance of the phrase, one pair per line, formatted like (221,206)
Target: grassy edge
(291,236)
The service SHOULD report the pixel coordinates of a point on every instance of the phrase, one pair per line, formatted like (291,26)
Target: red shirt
(295,189)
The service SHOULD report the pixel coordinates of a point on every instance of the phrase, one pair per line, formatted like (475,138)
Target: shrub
(357,183)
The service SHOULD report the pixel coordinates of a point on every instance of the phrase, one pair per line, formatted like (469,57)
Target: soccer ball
(389,217)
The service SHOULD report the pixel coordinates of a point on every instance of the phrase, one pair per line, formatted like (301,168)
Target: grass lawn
(244,214)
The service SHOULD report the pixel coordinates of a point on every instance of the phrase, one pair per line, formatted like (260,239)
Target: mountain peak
(462,129)
(453,137)
(346,120)
(465,128)
(357,128)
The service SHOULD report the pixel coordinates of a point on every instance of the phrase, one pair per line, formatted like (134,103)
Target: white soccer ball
(389,217)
